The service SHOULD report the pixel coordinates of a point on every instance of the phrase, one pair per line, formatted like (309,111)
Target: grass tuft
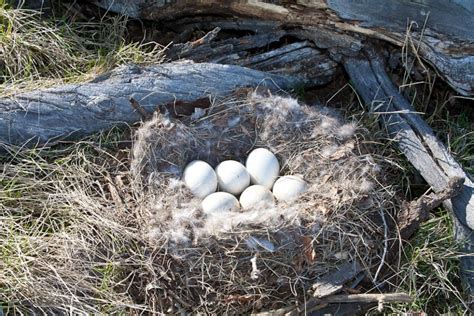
(37,51)
(430,269)
(62,242)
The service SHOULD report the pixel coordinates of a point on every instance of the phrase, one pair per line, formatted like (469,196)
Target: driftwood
(441,31)
(48,115)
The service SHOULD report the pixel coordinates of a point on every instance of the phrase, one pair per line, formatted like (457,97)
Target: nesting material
(292,244)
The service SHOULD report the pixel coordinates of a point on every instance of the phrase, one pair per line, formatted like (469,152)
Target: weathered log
(300,59)
(48,115)
(418,143)
(441,31)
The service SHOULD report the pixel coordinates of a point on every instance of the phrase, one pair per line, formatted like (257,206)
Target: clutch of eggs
(232,178)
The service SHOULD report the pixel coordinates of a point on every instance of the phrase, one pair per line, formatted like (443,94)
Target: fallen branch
(48,115)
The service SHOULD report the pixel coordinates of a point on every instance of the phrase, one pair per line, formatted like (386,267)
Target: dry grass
(430,270)
(62,241)
(37,52)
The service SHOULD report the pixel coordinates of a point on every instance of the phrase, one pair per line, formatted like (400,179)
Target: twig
(206,38)
(145,115)
(416,212)
(385,247)
(366,298)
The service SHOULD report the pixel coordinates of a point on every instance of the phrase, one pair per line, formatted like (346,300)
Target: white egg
(288,188)
(256,196)
(200,178)
(263,167)
(232,177)
(219,202)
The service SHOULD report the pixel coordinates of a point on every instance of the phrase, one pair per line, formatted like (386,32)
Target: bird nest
(262,258)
